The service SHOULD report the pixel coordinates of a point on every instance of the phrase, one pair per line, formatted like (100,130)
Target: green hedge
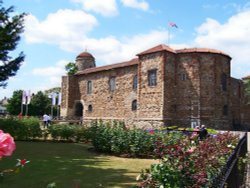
(24,129)
(67,132)
(117,139)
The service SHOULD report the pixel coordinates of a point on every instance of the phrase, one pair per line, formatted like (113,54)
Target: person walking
(45,120)
(203,132)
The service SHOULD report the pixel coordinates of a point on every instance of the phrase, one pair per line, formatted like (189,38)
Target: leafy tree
(10,29)
(71,68)
(53,90)
(14,103)
(40,104)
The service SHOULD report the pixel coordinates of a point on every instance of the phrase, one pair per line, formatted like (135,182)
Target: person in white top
(45,120)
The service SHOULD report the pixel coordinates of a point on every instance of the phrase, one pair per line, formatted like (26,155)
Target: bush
(24,129)
(67,132)
(117,139)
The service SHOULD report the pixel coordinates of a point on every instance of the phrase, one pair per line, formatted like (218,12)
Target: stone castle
(160,87)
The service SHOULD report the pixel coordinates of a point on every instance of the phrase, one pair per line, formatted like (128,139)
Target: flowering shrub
(188,164)
(118,139)
(7,144)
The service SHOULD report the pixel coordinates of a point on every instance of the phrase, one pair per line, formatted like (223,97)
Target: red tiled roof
(204,50)
(84,54)
(134,61)
(159,48)
(247,77)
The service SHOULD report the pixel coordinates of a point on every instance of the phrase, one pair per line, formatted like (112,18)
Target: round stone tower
(84,61)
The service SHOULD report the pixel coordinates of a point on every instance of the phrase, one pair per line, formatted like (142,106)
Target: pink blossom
(7,144)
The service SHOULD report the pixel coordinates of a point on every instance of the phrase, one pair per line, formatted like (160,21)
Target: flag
(59,98)
(28,93)
(54,95)
(24,97)
(172,24)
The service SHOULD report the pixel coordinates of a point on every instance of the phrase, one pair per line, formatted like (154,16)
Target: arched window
(134,105)
(112,84)
(89,87)
(90,108)
(135,81)
(152,77)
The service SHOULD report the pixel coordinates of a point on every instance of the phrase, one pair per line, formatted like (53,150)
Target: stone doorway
(78,109)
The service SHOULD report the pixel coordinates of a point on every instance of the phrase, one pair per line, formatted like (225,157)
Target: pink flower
(7,144)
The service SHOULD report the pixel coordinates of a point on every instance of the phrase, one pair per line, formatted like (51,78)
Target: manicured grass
(69,165)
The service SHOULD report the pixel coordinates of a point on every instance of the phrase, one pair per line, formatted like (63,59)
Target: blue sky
(56,31)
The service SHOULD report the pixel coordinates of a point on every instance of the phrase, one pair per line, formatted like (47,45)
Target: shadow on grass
(68,165)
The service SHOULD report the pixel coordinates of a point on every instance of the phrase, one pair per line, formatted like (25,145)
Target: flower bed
(187,163)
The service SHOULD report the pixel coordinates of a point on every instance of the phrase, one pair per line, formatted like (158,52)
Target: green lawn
(69,165)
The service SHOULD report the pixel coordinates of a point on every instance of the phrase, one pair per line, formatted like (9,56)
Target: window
(135,81)
(134,105)
(112,84)
(183,76)
(89,87)
(225,110)
(224,82)
(90,108)
(152,77)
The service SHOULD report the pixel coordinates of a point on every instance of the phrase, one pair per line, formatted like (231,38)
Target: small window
(134,105)
(152,77)
(89,87)
(224,82)
(225,110)
(183,76)
(90,108)
(112,84)
(135,81)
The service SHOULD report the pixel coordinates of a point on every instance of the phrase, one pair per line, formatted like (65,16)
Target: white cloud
(143,5)
(231,37)
(103,7)
(112,50)
(64,25)
(52,74)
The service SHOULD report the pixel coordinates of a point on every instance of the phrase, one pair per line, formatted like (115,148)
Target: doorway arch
(78,109)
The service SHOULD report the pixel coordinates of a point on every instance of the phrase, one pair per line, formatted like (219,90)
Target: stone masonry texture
(193,87)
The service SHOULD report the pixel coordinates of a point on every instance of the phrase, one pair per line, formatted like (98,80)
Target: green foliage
(11,28)
(71,68)
(40,104)
(24,129)
(196,164)
(116,138)
(14,103)
(67,132)
(52,90)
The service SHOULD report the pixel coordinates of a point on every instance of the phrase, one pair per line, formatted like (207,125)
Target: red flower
(21,162)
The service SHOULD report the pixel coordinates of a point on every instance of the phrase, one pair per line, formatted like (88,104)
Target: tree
(14,103)
(11,28)
(53,90)
(71,68)
(40,104)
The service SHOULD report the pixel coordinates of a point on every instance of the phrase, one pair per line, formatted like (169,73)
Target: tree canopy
(11,27)
(71,68)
